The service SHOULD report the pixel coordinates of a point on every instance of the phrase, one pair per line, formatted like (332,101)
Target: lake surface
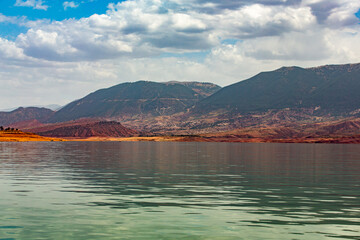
(148,190)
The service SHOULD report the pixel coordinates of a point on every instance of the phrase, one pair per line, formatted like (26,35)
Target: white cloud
(142,28)
(73,41)
(8,50)
(335,13)
(259,21)
(71,4)
(344,15)
(4,18)
(36,4)
(134,28)
(125,44)
(184,22)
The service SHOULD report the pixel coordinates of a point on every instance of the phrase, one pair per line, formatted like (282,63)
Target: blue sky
(54,51)
(55,11)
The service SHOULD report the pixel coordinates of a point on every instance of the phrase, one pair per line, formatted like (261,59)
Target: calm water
(153,190)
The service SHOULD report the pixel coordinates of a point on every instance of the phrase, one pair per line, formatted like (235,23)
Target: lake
(153,190)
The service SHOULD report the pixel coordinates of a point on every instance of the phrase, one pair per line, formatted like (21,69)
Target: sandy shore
(18,136)
(30,137)
(131,139)
(341,140)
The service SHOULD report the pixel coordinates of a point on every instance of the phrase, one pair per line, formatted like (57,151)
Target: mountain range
(289,95)
(331,89)
(140,100)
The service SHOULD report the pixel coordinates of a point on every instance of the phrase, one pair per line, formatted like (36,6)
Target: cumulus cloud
(141,28)
(36,4)
(8,50)
(321,9)
(73,41)
(334,13)
(259,21)
(129,41)
(71,4)
(134,28)
(217,7)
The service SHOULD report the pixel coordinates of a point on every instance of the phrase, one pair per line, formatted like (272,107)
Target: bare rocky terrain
(288,104)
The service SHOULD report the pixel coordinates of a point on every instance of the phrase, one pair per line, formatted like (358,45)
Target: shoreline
(339,140)
(30,137)
(18,136)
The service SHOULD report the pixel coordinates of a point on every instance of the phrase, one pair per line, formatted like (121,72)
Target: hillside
(127,100)
(275,99)
(83,129)
(340,131)
(204,89)
(330,89)
(288,94)
(24,114)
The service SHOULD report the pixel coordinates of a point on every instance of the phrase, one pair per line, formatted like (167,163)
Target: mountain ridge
(141,98)
(331,88)
(272,99)
(24,114)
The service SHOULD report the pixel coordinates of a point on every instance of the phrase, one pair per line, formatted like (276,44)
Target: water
(147,190)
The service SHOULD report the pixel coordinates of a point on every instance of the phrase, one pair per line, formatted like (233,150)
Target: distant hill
(24,114)
(86,129)
(142,98)
(27,124)
(330,89)
(53,107)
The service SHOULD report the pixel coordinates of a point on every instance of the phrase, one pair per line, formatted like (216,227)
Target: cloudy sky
(55,51)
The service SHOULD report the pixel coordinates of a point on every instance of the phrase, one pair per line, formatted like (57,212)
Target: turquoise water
(147,190)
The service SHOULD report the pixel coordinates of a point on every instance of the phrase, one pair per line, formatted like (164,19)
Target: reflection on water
(148,190)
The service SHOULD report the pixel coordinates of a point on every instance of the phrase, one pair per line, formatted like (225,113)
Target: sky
(56,51)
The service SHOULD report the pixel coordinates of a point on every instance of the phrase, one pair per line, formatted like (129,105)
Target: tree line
(8,129)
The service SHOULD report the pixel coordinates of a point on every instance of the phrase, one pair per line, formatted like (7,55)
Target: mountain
(24,114)
(328,89)
(270,100)
(27,124)
(139,99)
(204,89)
(53,107)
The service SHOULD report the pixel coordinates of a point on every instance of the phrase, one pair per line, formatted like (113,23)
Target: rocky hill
(83,129)
(24,114)
(274,100)
(204,89)
(140,99)
(328,89)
